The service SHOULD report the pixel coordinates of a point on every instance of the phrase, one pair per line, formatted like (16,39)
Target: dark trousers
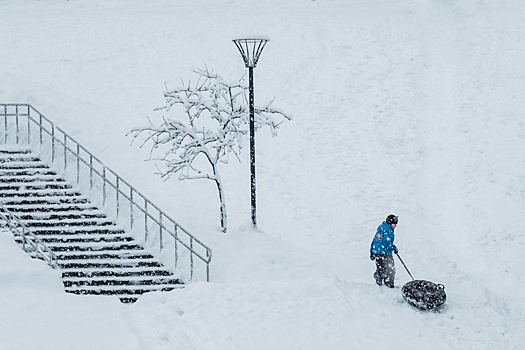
(385,269)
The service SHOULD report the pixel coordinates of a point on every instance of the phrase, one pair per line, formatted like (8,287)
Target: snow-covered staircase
(94,255)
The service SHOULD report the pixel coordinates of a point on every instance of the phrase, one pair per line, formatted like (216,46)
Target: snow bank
(36,312)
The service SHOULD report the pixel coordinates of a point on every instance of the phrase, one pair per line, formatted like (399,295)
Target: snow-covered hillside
(412,107)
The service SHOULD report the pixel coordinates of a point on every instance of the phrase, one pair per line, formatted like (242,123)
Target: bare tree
(203,123)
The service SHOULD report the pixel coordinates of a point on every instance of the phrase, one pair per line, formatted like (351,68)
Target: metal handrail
(60,138)
(28,237)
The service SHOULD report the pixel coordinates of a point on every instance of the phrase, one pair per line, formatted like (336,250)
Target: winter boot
(378,278)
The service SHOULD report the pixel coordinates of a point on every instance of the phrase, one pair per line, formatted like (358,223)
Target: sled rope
(404,266)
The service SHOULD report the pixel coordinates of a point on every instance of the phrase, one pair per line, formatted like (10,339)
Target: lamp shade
(250,50)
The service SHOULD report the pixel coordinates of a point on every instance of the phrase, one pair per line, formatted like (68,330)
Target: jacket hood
(387,226)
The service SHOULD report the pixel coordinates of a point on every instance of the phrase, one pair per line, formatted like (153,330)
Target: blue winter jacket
(383,242)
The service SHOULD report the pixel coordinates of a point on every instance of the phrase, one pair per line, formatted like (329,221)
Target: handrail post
(191,258)
(52,144)
(17,126)
(5,124)
(65,152)
(20,230)
(40,126)
(131,208)
(176,247)
(78,163)
(117,193)
(23,239)
(104,186)
(160,231)
(28,127)
(90,173)
(207,265)
(145,220)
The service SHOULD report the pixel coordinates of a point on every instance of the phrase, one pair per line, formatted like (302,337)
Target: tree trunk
(222,200)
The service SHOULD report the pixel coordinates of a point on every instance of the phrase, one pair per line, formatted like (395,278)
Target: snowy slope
(407,107)
(38,314)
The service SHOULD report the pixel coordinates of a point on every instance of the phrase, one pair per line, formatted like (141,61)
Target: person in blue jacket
(381,251)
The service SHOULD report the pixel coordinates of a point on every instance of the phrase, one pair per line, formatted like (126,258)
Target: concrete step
(51,207)
(41,223)
(77,240)
(22,179)
(90,247)
(103,254)
(22,166)
(121,272)
(26,172)
(109,263)
(26,159)
(11,149)
(120,281)
(42,198)
(87,230)
(17,158)
(39,201)
(93,214)
(122,290)
(39,193)
(35,185)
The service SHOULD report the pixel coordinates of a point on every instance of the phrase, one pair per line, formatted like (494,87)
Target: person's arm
(388,241)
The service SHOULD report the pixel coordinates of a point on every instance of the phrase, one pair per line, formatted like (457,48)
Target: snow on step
(116,272)
(70,229)
(146,281)
(132,279)
(44,200)
(83,244)
(103,254)
(133,289)
(10,148)
(67,222)
(44,178)
(124,261)
(22,165)
(33,186)
(13,156)
(91,245)
(77,214)
(40,192)
(26,172)
(56,206)
(89,233)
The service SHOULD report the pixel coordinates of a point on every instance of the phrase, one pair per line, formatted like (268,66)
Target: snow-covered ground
(412,107)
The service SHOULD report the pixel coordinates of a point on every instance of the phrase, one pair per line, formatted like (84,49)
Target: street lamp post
(251,50)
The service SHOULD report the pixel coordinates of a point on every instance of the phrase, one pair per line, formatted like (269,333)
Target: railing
(30,242)
(178,249)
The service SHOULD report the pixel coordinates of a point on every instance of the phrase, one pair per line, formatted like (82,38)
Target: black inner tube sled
(424,295)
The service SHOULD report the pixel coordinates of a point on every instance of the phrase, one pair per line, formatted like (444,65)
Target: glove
(396,251)
(372,256)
